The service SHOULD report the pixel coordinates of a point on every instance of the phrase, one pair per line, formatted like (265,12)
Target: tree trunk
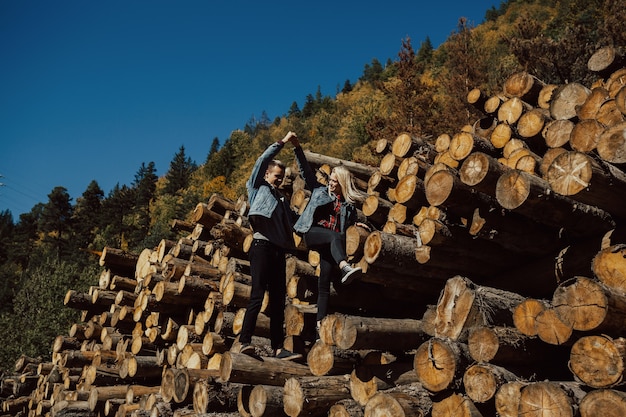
(322,360)
(523,85)
(557,133)
(406,145)
(407,401)
(507,398)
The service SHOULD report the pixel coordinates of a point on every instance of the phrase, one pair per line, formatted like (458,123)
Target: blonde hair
(346,182)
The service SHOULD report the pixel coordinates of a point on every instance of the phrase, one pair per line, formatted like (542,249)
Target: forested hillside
(422,91)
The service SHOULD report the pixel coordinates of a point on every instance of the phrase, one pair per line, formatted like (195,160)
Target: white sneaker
(349,274)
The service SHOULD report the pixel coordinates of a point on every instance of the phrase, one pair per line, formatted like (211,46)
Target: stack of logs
(494,284)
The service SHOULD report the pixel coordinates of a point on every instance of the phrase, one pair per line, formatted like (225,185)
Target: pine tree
(87,215)
(56,220)
(179,174)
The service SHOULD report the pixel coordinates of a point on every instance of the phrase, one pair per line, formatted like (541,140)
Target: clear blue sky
(90,90)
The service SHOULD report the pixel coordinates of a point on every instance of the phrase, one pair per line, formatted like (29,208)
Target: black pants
(331,247)
(267,268)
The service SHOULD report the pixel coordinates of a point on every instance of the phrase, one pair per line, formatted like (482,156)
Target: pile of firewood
(494,284)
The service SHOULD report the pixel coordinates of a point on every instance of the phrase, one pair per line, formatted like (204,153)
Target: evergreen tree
(87,215)
(179,174)
(144,187)
(56,220)
(215,146)
(115,208)
(347,87)
(294,110)
(372,73)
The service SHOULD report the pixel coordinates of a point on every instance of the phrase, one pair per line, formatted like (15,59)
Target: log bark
(406,401)
(463,304)
(120,262)
(352,332)
(532,197)
(361,171)
(313,396)
(240,368)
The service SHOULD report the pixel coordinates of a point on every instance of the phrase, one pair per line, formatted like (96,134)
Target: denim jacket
(262,201)
(319,197)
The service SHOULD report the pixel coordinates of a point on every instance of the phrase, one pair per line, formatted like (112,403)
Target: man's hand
(291,137)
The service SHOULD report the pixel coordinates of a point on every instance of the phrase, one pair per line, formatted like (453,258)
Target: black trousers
(331,247)
(267,268)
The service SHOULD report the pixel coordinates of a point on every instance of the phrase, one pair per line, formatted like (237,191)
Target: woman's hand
(364,226)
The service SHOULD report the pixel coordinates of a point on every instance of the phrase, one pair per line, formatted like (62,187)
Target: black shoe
(348,274)
(247,349)
(286,355)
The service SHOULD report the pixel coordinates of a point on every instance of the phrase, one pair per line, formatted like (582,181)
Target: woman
(323,223)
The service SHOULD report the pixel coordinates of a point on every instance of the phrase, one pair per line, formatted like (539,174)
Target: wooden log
(410,193)
(598,361)
(492,104)
(605,61)
(603,402)
(581,177)
(612,144)
(120,262)
(345,408)
(463,304)
(324,360)
(352,332)
(366,380)
(455,405)
(565,100)
(523,85)
(532,197)
(481,172)
(590,305)
(482,381)
(266,400)
(507,398)
(376,209)
(550,399)
(511,110)
(203,215)
(501,135)
(409,400)
(556,133)
(464,143)
(552,329)
(525,315)
(240,368)
(440,363)
(406,144)
(313,396)
(361,171)
(609,266)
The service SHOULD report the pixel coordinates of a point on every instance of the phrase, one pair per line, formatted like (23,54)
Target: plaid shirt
(332,222)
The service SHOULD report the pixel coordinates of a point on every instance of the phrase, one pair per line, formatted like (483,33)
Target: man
(271,219)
